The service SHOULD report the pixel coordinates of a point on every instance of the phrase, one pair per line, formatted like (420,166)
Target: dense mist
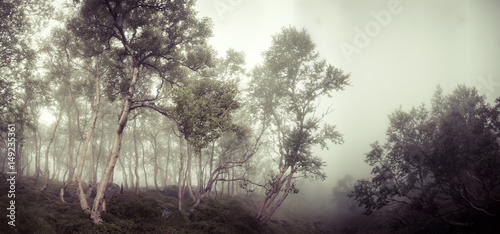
(249,116)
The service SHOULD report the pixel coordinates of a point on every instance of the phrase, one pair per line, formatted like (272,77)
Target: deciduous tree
(439,163)
(288,86)
(154,36)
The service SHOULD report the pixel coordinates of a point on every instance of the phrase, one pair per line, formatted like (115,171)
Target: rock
(172,191)
(70,190)
(165,212)
(317,225)
(282,223)
(112,190)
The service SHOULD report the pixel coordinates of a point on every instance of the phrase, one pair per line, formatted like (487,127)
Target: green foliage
(204,109)
(19,20)
(286,90)
(155,35)
(441,163)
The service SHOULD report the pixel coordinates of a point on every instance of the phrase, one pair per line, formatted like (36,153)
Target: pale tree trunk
(94,176)
(37,159)
(80,133)
(137,189)
(155,152)
(47,152)
(91,163)
(263,219)
(211,166)
(162,177)
(81,194)
(28,168)
(124,174)
(144,166)
(269,198)
(228,183)
(213,178)
(61,194)
(115,150)
(200,174)
(280,201)
(168,159)
(57,170)
(20,146)
(222,188)
(69,161)
(232,182)
(188,169)
(179,182)
(130,174)
(215,187)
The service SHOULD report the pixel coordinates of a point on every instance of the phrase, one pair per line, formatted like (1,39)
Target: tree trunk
(228,183)
(137,189)
(181,158)
(124,174)
(69,162)
(37,159)
(267,203)
(169,139)
(188,169)
(130,174)
(91,163)
(155,152)
(144,166)
(61,194)
(269,198)
(213,178)
(81,194)
(200,174)
(19,154)
(232,182)
(98,201)
(94,176)
(222,188)
(28,167)
(211,166)
(47,152)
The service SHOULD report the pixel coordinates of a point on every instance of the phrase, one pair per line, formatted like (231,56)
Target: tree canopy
(439,162)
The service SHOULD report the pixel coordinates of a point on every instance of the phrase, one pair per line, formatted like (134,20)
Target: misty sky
(423,44)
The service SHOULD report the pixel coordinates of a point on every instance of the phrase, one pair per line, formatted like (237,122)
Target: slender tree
(51,139)
(161,36)
(288,86)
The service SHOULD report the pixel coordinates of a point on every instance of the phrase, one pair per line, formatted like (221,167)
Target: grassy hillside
(146,213)
(130,213)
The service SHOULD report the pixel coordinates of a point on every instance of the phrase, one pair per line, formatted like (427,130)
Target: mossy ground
(131,213)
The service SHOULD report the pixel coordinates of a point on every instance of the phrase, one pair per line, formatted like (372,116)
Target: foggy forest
(234,116)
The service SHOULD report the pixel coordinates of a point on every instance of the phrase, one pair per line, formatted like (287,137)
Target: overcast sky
(397,52)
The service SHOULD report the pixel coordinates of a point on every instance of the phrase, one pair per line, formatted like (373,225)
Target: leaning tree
(153,43)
